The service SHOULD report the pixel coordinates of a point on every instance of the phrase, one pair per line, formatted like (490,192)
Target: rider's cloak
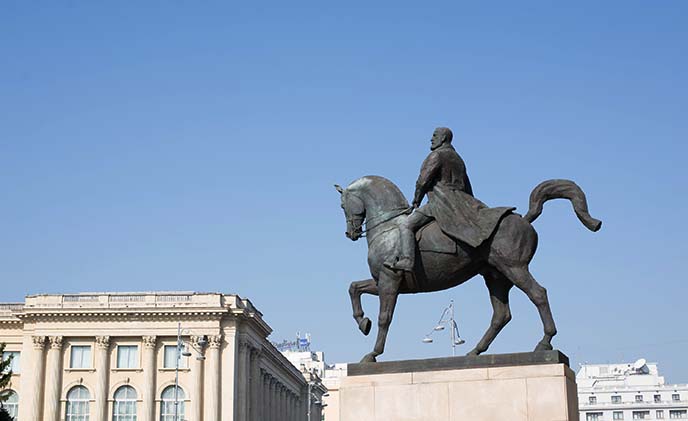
(450,198)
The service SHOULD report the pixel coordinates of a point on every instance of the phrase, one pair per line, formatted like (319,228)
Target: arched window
(124,408)
(12,403)
(77,404)
(167,404)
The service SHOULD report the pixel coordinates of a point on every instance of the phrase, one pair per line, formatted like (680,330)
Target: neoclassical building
(115,356)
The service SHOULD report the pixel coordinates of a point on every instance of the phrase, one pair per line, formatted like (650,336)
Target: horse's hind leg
(356,289)
(522,278)
(498,286)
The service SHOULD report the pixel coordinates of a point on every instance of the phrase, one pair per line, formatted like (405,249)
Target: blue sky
(193,146)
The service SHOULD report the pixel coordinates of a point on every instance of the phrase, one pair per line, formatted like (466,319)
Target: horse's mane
(378,188)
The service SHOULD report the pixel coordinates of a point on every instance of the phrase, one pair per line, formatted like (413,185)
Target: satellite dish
(640,365)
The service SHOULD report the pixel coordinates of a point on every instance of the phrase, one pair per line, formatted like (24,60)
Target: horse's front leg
(356,289)
(388,291)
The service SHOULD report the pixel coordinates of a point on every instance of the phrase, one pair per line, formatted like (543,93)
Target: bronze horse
(442,263)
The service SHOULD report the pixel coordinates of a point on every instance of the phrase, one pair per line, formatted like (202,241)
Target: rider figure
(450,201)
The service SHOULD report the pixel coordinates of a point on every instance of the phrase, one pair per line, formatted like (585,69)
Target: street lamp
(447,320)
(183,351)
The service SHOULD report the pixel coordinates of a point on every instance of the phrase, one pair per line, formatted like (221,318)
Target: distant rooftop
(639,374)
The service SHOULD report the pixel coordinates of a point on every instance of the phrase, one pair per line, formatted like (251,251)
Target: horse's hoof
(544,346)
(364,325)
(369,358)
(473,353)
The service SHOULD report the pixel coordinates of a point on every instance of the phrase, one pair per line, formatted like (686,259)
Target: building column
(294,407)
(273,399)
(102,372)
(282,401)
(290,411)
(51,411)
(242,381)
(304,402)
(196,383)
(255,385)
(266,397)
(263,397)
(149,370)
(287,404)
(33,373)
(212,379)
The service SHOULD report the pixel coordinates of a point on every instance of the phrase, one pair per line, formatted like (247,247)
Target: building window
(679,414)
(167,403)
(127,356)
(170,358)
(675,397)
(658,398)
(14,365)
(12,403)
(638,398)
(77,404)
(641,415)
(81,356)
(617,415)
(124,408)
(593,416)
(616,399)
(660,414)
(592,400)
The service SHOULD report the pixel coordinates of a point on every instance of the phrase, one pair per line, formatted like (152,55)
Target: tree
(5,373)
(4,415)
(5,377)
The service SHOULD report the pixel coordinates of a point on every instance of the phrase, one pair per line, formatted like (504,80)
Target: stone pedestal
(536,386)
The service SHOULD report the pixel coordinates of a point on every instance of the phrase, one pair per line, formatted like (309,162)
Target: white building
(115,356)
(329,375)
(634,391)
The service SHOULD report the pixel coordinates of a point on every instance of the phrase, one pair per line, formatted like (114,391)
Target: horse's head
(368,197)
(354,212)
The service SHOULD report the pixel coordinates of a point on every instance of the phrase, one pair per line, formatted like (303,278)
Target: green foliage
(4,415)
(5,375)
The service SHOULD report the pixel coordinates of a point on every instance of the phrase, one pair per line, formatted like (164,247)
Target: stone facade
(102,344)
(516,393)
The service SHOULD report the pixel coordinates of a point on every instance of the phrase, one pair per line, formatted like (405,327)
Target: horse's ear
(339,188)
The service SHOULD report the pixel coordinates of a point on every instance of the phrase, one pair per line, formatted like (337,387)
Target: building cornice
(121,314)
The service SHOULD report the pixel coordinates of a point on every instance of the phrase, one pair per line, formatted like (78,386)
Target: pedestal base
(510,387)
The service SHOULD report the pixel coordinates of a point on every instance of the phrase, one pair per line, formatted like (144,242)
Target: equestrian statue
(449,240)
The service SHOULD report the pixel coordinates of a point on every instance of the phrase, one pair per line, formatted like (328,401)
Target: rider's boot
(407,253)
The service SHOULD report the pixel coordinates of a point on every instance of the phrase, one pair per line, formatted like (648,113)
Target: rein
(384,217)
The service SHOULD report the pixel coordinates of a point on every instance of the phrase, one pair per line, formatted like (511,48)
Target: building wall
(240,376)
(609,392)
(313,363)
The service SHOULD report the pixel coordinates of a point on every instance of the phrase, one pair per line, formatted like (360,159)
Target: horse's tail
(561,189)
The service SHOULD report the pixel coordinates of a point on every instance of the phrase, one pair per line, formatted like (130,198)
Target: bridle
(378,220)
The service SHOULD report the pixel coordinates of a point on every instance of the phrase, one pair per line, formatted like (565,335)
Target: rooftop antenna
(640,366)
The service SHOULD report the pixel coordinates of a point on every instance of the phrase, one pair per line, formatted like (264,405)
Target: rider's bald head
(441,136)
(445,133)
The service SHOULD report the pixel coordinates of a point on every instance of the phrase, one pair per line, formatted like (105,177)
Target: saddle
(431,238)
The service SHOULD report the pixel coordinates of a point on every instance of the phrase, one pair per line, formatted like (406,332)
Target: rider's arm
(428,172)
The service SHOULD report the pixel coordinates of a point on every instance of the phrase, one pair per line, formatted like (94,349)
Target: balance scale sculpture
(451,239)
